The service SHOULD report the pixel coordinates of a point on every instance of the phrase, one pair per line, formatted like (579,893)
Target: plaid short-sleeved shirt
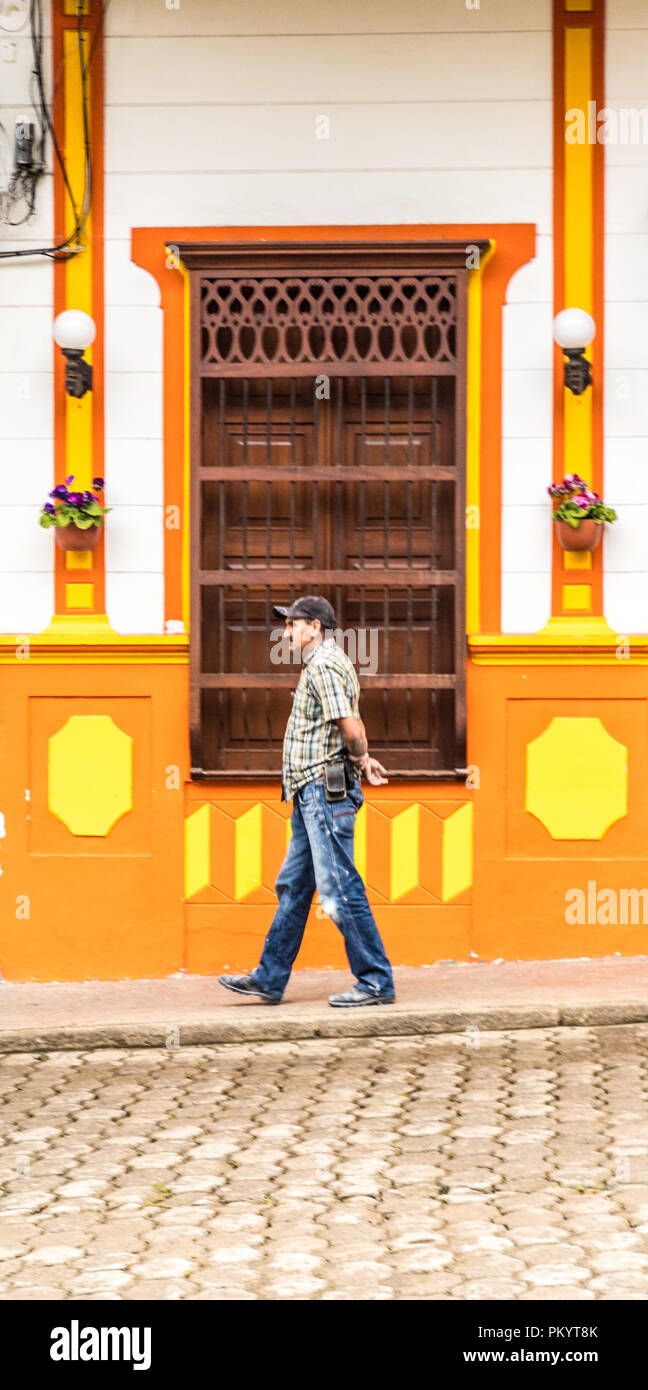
(328,689)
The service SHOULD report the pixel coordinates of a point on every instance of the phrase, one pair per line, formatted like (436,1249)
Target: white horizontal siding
(26,339)
(133,405)
(437,114)
(626,602)
(626,62)
(125,282)
(533,282)
(626,327)
(374,135)
(134,472)
(261,68)
(24,545)
(626,14)
(135,602)
(526,601)
(26,600)
(133,339)
(332,199)
(26,370)
(204,17)
(135,532)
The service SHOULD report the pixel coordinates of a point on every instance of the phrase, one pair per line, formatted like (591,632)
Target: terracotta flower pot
(73,537)
(585,536)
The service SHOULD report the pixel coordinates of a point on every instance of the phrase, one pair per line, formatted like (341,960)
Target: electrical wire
(72,244)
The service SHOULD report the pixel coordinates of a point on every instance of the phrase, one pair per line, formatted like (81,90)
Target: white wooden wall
(437,113)
(626,345)
(26,418)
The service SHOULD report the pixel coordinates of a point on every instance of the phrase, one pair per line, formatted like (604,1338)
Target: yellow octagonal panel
(90,774)
(577,779)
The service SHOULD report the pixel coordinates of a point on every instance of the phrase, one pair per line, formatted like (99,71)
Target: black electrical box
(24,147)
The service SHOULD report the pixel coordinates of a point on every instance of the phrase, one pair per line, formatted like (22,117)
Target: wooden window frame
(370,258)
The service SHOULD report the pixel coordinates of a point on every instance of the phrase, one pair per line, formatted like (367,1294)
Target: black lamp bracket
(78,372)
(578,371)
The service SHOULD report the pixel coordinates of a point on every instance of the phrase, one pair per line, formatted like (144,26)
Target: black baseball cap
(309,607)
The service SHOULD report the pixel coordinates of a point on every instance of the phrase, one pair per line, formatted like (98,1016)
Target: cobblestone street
(492,1166)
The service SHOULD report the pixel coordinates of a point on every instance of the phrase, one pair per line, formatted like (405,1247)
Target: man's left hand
(374,772)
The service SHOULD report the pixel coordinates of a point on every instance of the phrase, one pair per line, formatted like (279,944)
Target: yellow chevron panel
(360,843)
(197,836)
(247,852)
(404,852)
(457,853)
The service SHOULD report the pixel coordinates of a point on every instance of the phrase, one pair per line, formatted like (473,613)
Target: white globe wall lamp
(74,331)
(574,329)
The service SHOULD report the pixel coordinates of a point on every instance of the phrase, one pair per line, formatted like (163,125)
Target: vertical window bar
(433,520)
(244,547)
(386,556)
(221,520)
(338,563)
(291,523)
(315,506)
(268,549)
(410,460)
(363,495)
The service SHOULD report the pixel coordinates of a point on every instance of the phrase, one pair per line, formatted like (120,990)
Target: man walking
(324,752)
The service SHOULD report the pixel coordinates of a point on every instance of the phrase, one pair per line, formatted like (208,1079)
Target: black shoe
(246,984)
(356,998)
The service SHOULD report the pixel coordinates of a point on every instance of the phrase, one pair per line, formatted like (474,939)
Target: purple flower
(98,483)
(70,478)
(75,498)
(59,491)
(51,510)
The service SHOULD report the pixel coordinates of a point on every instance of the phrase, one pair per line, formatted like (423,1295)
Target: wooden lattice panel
(305,324)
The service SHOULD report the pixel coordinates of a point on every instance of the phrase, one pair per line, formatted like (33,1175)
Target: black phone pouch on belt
(334,782)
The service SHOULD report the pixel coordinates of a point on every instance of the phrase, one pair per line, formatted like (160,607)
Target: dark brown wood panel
(350,485)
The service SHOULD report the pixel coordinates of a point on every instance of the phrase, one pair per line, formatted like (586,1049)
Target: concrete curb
(385,1022)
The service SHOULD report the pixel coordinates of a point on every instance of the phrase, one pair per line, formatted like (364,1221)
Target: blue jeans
(320,855)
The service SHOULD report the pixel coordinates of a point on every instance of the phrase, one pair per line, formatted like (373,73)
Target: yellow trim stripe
(473,439)
(186,501)
(579,249)
(78,271)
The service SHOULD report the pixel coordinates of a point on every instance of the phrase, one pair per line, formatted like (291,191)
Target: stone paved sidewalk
(476,1166)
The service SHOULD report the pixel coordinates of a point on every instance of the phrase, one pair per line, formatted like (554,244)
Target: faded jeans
(320,856)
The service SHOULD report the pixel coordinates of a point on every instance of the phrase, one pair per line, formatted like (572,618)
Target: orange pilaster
(578,227)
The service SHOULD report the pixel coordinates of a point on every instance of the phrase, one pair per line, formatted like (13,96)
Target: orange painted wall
(521,872)
(102,907)
(417,928)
